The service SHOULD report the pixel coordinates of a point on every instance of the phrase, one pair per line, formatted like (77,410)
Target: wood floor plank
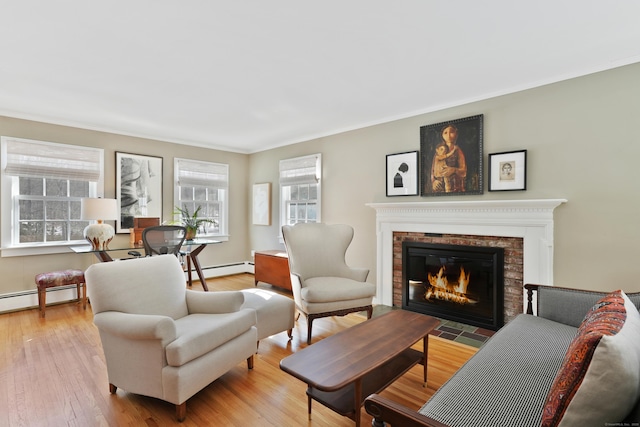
(53,373)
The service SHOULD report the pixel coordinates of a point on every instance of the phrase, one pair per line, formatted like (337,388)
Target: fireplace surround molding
(531,220)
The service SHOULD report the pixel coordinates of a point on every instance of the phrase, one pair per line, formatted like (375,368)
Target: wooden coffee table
(341,371)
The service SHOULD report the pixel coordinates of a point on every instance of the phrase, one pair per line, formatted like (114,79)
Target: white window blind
(38,159)
(195,173)
(300,170)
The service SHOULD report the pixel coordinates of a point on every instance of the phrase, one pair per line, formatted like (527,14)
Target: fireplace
(530,221)
(454,282)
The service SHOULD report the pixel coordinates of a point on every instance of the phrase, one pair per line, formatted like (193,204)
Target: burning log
(441,289)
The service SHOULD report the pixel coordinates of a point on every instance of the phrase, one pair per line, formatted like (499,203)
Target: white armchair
(322,283)
(161,339)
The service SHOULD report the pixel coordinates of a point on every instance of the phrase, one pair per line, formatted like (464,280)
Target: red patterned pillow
(603,358)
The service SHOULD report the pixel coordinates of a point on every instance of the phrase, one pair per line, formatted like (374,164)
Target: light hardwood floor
(52,373)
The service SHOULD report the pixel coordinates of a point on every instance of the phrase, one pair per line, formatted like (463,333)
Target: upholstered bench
(275,313)
(54,279)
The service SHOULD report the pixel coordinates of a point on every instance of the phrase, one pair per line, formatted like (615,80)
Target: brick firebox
(513,263)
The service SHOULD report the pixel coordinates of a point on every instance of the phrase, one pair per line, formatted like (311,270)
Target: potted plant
(191,221)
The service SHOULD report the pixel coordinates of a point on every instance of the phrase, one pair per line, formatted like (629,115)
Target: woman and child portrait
(448,168)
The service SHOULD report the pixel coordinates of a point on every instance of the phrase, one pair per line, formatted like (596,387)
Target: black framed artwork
(138,188)
(451,157)
(402,174)
(508,171)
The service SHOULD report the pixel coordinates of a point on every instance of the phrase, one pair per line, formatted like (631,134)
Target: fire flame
(441,289)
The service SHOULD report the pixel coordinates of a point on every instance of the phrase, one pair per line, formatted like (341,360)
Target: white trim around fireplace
(531,220)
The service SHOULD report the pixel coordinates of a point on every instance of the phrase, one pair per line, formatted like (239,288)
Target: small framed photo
(402,174)
(508,171)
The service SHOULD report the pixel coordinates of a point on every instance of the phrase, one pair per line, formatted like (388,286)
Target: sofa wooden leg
(290,333)
(250,362)
(181,411)
(112,389)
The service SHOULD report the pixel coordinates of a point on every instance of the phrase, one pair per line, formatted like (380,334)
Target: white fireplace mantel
(531,220)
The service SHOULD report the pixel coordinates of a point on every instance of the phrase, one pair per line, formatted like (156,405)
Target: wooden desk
(272,267)
(345,368)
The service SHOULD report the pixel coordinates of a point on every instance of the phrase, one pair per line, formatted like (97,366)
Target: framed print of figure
(452,157)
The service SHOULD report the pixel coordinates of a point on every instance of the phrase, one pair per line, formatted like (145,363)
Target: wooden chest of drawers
(272,267)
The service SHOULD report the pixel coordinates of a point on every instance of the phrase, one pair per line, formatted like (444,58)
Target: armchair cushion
(331,289)
(198,334)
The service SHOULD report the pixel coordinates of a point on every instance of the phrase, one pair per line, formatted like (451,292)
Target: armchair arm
(384,411)
(214,302)
(136,326)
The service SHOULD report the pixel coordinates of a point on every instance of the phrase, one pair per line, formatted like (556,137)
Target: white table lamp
(99,234)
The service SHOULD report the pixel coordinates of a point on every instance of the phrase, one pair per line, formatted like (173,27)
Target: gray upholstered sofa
(508,382)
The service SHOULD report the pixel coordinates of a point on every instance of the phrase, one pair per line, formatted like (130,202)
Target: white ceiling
(249,75)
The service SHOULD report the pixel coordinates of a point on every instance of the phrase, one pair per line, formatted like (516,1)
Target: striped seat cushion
(506,383)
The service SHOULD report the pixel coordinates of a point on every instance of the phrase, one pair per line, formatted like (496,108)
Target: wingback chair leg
(309,324)
(250,362)
(112,389)
(181,411)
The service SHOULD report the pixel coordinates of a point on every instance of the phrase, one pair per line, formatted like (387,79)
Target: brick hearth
(513,263)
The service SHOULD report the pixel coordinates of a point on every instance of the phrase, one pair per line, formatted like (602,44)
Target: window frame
(223,234)
(10,199)
(305,175)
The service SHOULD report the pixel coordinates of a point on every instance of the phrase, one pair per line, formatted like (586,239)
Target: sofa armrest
(136,326)
(214,302)
(384,411)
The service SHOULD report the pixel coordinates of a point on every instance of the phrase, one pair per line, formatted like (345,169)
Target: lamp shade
(100,234)
(102,209)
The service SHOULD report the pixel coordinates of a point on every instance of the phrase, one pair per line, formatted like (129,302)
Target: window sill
(62,248)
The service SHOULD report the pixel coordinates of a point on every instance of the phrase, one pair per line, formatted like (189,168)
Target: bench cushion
(492,390)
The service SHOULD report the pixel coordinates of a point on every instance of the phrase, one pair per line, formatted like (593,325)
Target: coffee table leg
(309,406)
(425,351)
(357,401)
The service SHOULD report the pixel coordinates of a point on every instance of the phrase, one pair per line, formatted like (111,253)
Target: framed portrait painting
(138,188)
(452,157)
(402,174)
(508,171)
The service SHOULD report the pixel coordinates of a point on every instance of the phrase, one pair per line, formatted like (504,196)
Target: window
(204,185)
(42,185)
(300,179)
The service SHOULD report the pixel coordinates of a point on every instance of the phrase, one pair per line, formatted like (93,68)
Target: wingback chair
(161,339)
(322,283)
